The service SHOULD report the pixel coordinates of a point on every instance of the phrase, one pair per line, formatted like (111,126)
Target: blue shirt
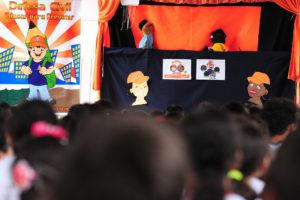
(147,40)
(35,78)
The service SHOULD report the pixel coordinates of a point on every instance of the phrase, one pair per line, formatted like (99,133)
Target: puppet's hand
(43,70)
(50,70)
(26,70)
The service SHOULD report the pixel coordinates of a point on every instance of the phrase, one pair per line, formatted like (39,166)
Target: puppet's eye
(258,87)
(251,84)
(42,49)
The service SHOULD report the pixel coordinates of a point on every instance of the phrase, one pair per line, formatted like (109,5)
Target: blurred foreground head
(123,159)
(24,115)
(283,179)
(212,144)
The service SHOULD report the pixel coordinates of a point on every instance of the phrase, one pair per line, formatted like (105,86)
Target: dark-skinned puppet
(147,29)
(258,88)
(218,38)
(39,67)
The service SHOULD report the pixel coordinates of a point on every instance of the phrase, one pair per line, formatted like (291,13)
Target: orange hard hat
(137,77)
(259,78)
(37,41)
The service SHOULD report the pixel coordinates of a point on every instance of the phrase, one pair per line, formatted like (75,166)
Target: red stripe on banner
(189,28)
(69,34)
(6,45)
(52,23)
(10,23)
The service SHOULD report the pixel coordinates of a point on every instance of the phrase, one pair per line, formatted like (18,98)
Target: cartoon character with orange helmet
(138,87)
(258,87)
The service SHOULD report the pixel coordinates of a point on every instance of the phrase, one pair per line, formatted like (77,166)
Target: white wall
(89,28)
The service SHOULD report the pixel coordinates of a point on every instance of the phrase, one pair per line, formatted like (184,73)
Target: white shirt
(8,190)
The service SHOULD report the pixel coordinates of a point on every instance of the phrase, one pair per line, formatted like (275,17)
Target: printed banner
(40,51)
(210,69)
(177,69)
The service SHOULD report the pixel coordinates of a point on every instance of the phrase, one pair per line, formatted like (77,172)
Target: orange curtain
(199,2)
(294,7)
(107,9)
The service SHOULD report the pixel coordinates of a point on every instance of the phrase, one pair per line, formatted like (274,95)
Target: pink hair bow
(24,175)
(43,129)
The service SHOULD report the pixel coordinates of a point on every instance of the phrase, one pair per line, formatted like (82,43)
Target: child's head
(280,115)
(212,143)
(36,164)
(24,115)
(123,159)
(283,181)
(253,144)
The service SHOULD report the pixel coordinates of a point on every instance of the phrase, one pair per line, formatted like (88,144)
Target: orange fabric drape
(294,7)
(199,2)
(107,9)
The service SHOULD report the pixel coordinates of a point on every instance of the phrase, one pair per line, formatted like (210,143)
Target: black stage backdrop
(120,62)
(275,33)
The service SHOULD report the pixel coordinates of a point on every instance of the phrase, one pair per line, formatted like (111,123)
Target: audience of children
(97,152)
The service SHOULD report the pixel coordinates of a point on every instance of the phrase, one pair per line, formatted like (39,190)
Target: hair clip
(43,129)
(24,175)
(235,175)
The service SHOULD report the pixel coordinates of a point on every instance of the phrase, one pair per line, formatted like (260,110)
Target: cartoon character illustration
(147,29)
(177,66)
(259,85)
(138,87)
(39,68)
(211,70)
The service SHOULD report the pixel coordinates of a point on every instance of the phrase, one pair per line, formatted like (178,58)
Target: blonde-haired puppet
(258,87)
(138,87)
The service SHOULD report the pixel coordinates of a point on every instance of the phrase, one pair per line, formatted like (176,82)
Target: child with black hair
(282,182)
(281,117)
(24,115)
(122,159)
(19,125)
(213,145)
(35,165)
(235,107)
(255,160)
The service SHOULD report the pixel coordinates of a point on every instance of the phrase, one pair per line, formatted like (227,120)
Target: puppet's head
(259,84)
(218,36)
(146,27)
(138,87)
(218,39)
